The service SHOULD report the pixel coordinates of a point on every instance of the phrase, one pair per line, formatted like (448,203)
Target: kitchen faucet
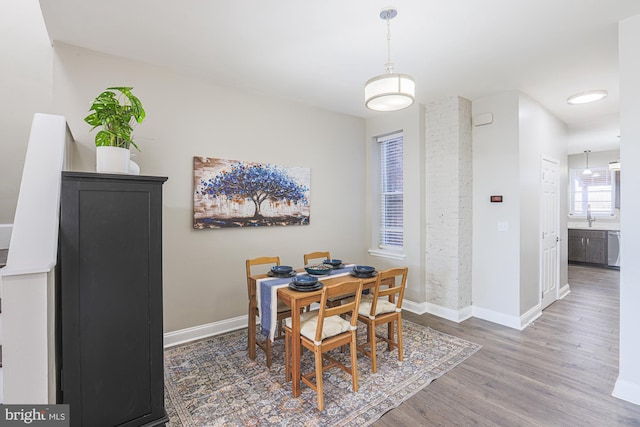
(590,218)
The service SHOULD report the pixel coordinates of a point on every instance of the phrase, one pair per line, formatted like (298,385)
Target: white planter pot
(112,160)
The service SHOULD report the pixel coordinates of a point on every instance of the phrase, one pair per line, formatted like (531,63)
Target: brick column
(449,196)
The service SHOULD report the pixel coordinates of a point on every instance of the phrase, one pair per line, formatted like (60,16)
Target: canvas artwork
(232,193)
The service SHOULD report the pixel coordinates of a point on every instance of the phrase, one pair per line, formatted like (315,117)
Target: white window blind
(391,192)
(595,191)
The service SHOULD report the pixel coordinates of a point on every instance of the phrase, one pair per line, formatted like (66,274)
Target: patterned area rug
(214,383)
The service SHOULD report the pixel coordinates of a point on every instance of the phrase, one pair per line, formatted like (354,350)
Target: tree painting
(229,193)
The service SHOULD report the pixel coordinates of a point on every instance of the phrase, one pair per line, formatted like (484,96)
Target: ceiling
(320,53)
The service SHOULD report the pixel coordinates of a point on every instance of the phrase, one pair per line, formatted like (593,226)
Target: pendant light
(389,91)
(587,171)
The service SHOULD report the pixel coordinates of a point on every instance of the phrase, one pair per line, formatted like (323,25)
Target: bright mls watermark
(34,415)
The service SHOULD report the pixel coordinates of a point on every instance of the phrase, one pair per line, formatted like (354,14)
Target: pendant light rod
(587,171)
(388,15)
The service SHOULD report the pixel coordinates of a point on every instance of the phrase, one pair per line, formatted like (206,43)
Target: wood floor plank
(559,371)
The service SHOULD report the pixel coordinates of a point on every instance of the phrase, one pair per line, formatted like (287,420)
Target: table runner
(267,297)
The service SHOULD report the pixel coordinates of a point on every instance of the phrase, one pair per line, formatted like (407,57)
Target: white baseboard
(449,313)
(204,331)
(437,310)
(495,317)
(414,307)
(5,235)
(564,291)
(626,390)
(531,315)
(216,328)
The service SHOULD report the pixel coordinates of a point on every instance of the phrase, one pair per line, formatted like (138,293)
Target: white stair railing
(27,282)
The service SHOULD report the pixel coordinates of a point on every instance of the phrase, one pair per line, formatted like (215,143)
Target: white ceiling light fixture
(586,97)
(389,91)
(614,166)
(587,171)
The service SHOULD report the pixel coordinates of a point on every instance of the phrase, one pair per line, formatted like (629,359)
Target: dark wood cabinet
(109,300)
(588,246)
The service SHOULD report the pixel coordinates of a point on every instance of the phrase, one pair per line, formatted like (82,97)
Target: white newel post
(28,297)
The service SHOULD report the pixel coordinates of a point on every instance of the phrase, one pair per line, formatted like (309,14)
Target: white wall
(25,85)
(541,134)
(204,277)
(507,158)
(496,261)
(628,384)
(410,121)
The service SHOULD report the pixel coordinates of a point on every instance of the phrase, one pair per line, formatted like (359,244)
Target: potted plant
(116,114)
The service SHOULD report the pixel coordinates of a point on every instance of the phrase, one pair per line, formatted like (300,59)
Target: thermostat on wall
(496,199)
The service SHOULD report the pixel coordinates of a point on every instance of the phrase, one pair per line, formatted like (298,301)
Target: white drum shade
(389,92)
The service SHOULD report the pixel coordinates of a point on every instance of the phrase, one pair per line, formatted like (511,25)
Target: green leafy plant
(116,114)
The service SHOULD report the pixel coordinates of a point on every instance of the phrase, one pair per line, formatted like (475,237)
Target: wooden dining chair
(324,330)
(283,309)
(332,302)
(316,255)
(382,306)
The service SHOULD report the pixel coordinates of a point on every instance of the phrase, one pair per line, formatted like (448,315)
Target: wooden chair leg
(399,322)
(319,392)
(287,355)
(354,362)
(390,334)
(371,330)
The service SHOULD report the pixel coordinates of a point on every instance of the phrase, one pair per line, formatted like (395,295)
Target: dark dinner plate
(335,267)
(363,275)
(312,288)
(364,269)
(289,274)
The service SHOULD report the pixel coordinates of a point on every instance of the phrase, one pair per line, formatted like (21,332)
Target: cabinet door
(596,250)
(110,300)
(576,248)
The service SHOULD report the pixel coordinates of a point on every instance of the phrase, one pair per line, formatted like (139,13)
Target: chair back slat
(315,255)
(275,260)
(342,289)
(394,293)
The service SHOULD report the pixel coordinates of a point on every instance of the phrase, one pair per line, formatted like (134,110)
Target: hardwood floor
(559,371)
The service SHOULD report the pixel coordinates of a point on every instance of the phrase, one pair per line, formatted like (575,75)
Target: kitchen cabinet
(109,300)
(588,246)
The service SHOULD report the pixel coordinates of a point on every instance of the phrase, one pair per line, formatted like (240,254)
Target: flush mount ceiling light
(389,91)
(587,171)
(586,97)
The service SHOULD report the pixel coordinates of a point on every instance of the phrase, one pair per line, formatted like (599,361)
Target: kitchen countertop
(603,226)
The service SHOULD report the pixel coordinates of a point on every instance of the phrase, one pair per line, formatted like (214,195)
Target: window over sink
(595,192)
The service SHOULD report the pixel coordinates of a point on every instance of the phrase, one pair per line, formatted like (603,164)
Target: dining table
(296,300)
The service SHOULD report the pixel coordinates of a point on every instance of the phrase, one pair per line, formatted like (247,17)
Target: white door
(549,224)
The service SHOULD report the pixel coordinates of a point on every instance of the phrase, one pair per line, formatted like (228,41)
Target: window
(596,191)
(391,192)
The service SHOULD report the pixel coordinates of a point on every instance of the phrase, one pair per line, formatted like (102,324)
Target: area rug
(213,382)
